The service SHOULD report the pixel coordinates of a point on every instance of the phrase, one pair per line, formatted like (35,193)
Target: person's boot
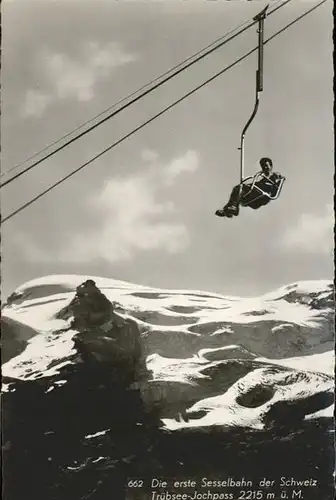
(232,209)
(222,213)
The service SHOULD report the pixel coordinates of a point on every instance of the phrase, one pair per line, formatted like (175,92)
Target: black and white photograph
(167,250)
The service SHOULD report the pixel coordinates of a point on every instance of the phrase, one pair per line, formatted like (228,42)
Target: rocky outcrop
(14,337)
(104,338)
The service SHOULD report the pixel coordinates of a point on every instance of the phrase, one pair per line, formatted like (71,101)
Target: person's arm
(277,177)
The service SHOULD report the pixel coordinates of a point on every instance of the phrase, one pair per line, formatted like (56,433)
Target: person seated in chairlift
(267,180)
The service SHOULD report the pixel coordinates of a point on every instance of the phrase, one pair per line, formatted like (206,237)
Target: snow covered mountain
(104,380)
(206,352)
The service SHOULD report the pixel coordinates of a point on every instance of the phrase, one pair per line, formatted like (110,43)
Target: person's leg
(234,196)
(258,199)
(260,202)
(232,206)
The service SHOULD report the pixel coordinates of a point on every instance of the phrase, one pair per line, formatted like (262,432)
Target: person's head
(266,165)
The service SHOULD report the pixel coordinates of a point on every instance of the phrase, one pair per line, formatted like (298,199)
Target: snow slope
(207,352)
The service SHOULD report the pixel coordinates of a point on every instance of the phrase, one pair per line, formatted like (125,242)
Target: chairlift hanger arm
(259,84)
(254,112)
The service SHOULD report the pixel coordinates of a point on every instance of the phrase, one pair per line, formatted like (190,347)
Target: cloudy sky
(144,212)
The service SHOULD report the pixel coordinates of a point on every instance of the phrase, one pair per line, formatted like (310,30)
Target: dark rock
(104,338)
(256,396)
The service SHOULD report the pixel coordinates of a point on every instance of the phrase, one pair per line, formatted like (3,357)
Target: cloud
(185,164)
(312,233)
(35,103)
(132,220)
(149,155)
(75,78)
(134,216)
